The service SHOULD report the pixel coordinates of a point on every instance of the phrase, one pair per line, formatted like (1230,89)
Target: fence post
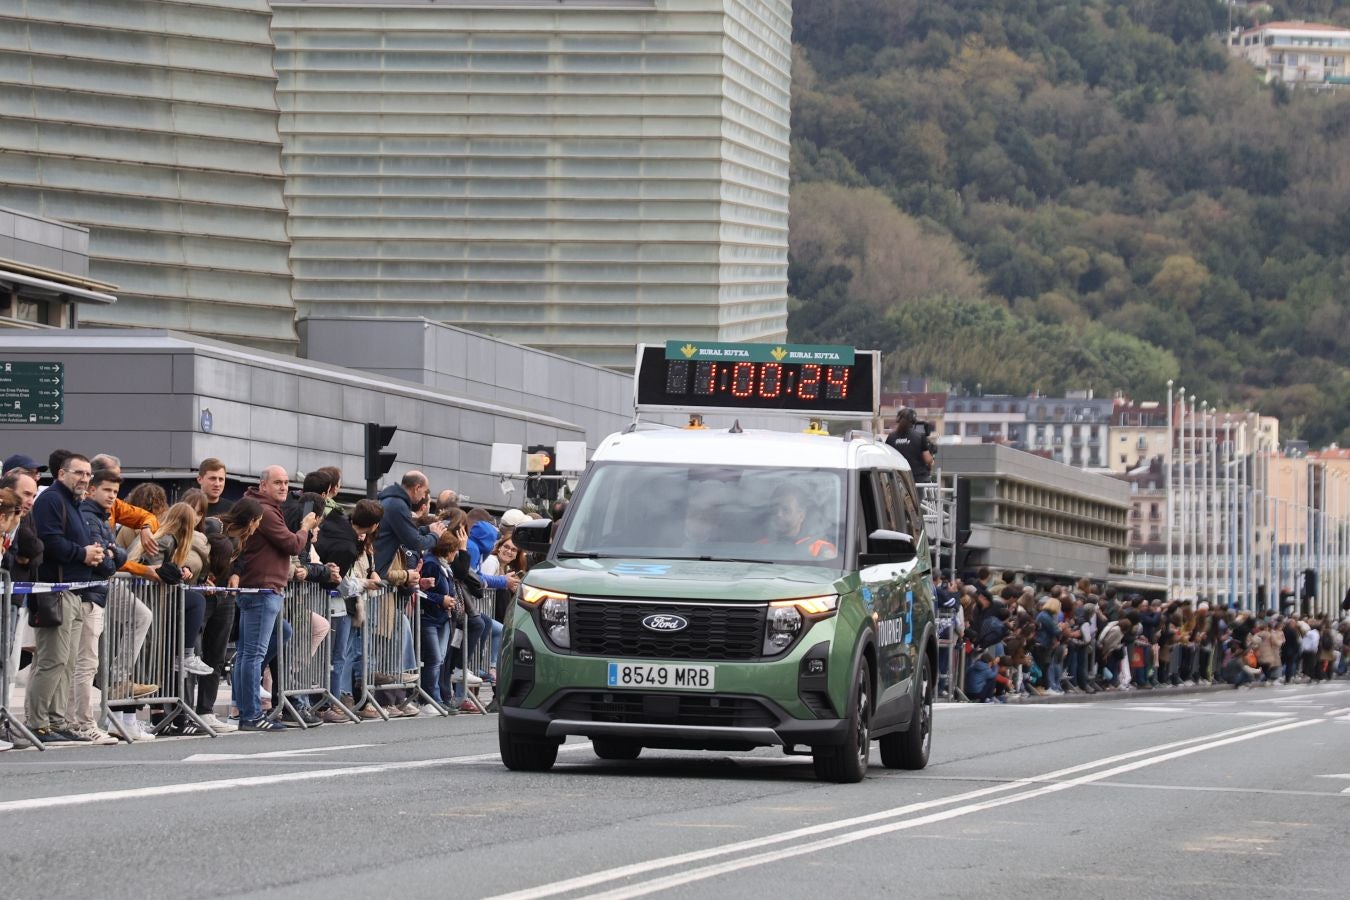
(8,658)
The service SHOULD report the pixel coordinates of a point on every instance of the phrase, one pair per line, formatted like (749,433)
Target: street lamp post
(1171,505)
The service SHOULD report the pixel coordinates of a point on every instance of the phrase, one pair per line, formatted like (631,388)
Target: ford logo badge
(665,623)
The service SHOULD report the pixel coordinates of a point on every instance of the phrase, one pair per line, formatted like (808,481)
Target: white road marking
(798,850)
(586,881)
(1347,775)
(169,790)
(274,754)
(1198,712)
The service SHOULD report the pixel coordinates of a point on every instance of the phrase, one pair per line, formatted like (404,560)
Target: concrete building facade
(44,272)
(153,124)
(163,401)
(1040,517)
(573,176)
(576,176)
(1307,54)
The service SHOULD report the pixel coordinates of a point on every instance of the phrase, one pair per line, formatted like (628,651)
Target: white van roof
(749,448)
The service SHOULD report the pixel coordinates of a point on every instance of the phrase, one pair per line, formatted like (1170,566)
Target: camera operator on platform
(911,439)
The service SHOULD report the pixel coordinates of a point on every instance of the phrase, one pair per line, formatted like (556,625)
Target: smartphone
(307,509)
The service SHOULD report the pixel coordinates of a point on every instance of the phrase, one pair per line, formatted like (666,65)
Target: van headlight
(552,607)
(788,618)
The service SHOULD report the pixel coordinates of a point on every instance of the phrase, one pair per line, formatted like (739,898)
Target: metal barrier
(144,643)
(304,670)
(392,644)
(471,659)
(952,683)
(9,661)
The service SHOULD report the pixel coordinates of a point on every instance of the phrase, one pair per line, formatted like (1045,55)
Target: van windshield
(663,511)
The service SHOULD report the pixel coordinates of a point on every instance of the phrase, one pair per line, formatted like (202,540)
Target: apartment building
(1301,53)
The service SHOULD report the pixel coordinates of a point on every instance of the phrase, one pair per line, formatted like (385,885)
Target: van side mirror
(533,536)
(886,546)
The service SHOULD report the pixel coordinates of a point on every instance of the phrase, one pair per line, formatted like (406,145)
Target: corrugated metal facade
(573,177)
(154,124)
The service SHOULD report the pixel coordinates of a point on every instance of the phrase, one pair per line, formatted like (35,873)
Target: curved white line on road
(586,881)
(682,878)
(796,851)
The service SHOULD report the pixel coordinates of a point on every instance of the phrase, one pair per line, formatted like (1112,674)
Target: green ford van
(727,590)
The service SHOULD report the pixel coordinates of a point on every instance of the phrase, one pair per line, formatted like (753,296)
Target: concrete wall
(492,370)
(46,243)
(141,396)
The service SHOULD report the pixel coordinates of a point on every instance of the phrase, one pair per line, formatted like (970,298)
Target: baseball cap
(21,461)
(513,517)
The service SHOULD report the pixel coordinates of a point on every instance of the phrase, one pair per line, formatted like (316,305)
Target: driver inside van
(788,524)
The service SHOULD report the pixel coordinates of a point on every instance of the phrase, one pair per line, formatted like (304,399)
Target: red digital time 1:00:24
(766,381)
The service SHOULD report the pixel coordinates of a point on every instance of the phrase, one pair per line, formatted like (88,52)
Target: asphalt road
(1243,793)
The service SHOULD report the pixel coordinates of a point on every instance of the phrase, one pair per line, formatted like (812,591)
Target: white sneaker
(218,726)
(430,709)
(193,665)
(5,745)
(134,729)
(458,674)
(96,735)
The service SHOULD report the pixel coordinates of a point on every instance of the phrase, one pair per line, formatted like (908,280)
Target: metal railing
(304,663)
(144,644)
(9,660)
(392,649)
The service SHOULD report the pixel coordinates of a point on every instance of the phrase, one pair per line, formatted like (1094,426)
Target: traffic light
(541,460)
(1309,585)
(378,460)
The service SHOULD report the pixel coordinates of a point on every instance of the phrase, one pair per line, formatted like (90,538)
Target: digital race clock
(818,381)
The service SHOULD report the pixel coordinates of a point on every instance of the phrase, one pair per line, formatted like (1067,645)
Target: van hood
(668,579)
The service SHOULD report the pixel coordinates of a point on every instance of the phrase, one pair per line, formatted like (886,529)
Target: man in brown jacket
(265,567)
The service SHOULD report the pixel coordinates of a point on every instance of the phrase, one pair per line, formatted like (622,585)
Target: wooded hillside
(1053,194)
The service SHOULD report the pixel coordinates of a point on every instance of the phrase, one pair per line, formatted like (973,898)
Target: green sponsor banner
(32,393)
(711,351)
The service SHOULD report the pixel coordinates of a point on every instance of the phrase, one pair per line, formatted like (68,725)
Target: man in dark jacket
(265,566)
(69,556)
(397,528)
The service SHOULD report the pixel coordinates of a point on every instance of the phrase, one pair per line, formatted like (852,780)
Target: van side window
(913,511)
(871,509)
(894,514)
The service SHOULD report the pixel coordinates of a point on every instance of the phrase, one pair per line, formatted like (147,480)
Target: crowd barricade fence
(144,643)
(951,660)
(392,641)
(472,659)
(305,662)
(9,661)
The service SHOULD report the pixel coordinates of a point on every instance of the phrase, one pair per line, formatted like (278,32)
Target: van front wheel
(847,763)
(524,754)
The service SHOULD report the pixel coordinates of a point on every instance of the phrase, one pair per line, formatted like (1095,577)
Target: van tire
(909,749)
(847,762)
(615,748)
(524,754)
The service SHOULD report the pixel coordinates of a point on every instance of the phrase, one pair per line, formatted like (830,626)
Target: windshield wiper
(767,562)
(583,554)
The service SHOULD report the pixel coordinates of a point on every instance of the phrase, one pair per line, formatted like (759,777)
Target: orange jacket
(123,513)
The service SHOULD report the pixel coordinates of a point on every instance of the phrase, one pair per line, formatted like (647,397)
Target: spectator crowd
(1015,640)
(71,543)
